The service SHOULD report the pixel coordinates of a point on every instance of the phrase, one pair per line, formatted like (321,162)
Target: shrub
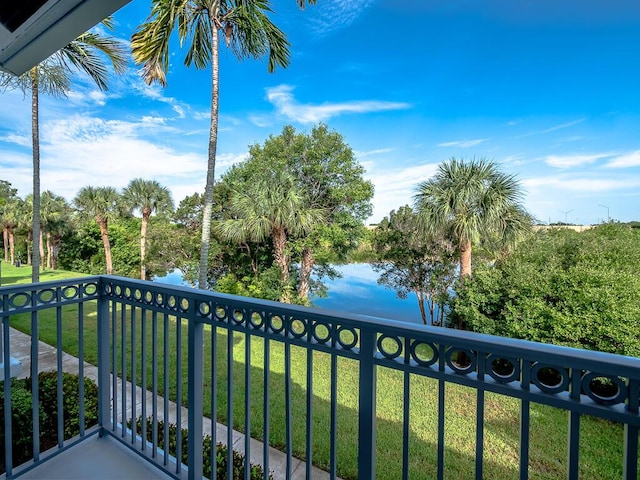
(22,407)
(257,472)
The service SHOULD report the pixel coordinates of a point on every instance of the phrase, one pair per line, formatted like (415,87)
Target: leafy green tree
(473,201)
(56,221)
(561,287)
(246,29)
(412,261)
(8,195)
(53,77)
(274,207)
(101,203)
(323,165)
(149,197)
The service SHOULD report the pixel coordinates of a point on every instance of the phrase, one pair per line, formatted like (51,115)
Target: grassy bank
(601,451)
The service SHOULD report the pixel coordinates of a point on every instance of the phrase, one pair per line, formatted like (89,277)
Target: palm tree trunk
(306,267)
(35,141)
(211,161)
(54,253)
(41,246)
(107,246)
(29,246)
(143,244)
(423,314)
(49,251)
(12,245)
(465,259)
(282,260)
(5,240)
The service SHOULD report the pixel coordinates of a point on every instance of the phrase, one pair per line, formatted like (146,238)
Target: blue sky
(550,90)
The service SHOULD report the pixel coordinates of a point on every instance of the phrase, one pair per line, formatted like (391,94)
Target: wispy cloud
(568,161)
(22,140)
(463,143)
(282,98)
(625,161)
(330,16)
(582,185)
(379,151)
(551,129)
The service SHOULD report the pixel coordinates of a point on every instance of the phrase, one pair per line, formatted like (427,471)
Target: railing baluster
(123,361)
(287,410)
(134,377)
(333,430)
(195,365)
(266,405)
(367,405)
(6,359)
(480,417)
(179,394)
(166,389)
(574,429)
(525,422)
(154,383)
(35,393)
(214,400)
(104,399)
(103,304)
(230,401)
(630,446)
(81,365)
(309,445)
(59,400)
(405,424)
(247,401)
(143,380)
(441,411)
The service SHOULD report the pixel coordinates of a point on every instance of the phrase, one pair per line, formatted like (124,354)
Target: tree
(323,165)
(8,194)
(274,207)
(101,203)
(149,197)
(247,30)
(472,201)
(55,215)
(412,261)
(11,215)
(53,77)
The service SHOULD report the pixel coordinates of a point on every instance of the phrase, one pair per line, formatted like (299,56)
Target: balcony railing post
(630,458)
(104,400)
(195,361)
(367,406)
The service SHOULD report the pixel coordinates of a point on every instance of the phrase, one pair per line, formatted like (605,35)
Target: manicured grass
(601,451)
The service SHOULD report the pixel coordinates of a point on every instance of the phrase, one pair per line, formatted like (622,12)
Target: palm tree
(472,201)
(274,207)
(247,30)
(102,204)
(53,77)
(55,213)
(149,197)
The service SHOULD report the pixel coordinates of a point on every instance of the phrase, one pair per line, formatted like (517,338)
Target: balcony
(306,381)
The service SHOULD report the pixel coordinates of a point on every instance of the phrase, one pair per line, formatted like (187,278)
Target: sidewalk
(47,360)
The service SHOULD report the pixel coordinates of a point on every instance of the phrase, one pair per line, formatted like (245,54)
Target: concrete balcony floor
(96,459)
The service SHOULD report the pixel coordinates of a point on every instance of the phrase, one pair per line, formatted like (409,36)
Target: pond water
(357,291)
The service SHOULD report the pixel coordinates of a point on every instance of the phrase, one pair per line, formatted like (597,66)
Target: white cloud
(625,161)
(22,140)
(581,185)
(395,188)
(330,16)
(552,129)
(378,151)
(463,143)
(567,161)
(286,105)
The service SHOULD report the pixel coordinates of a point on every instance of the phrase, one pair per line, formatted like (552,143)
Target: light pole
(608,217)
(566,215)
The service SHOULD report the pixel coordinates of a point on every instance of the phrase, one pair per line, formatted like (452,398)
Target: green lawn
(601,451)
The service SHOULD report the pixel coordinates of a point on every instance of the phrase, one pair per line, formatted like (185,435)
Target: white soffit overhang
(31,30)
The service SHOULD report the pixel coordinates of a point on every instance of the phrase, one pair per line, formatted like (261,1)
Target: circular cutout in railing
(321,332)
(276,324)
(137,294)
(298,328)
(347,337)
(389,347)
(70,292)
(148,297)
(184,304)
(603,389)
(220,313)
(171,301)
(46,296)
(503,369)
(424,354)
(238,316)
(118,290)
(19,300)
(549,378)
(461,361)
(92,288)
(159,300)
(257,320)
(127,292)
(204,309)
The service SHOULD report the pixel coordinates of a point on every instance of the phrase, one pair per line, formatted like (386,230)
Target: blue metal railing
(149,336)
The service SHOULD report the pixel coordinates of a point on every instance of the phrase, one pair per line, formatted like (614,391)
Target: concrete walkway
(47,360)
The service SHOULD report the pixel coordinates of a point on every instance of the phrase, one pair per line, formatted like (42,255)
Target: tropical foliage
(247,31)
